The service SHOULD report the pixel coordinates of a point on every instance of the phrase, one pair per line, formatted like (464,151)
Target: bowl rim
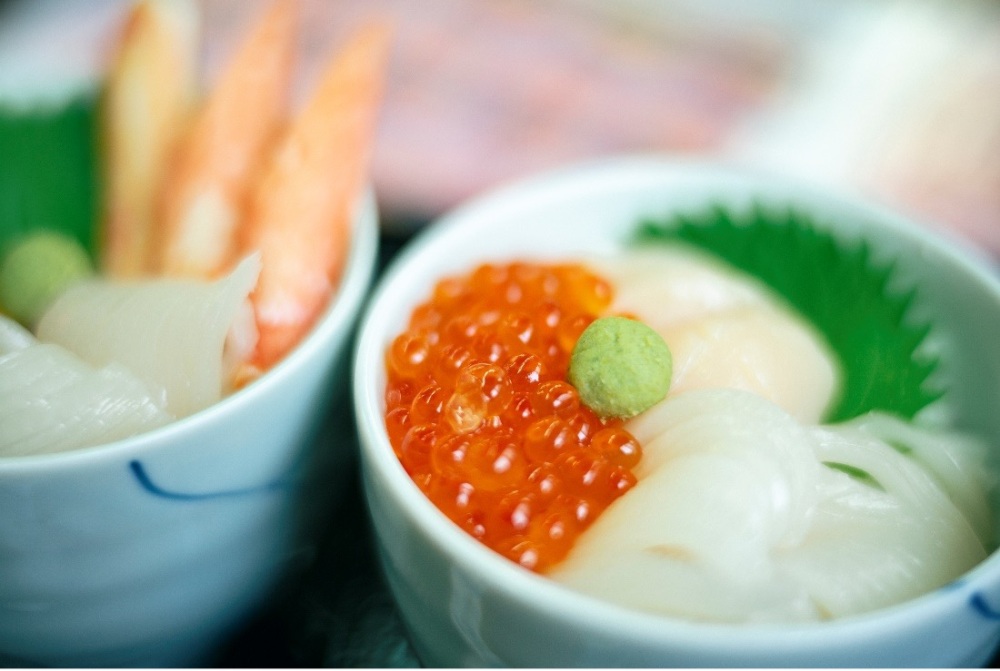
(380,464)
(337,322)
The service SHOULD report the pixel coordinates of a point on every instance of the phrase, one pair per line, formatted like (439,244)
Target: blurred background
(895,100)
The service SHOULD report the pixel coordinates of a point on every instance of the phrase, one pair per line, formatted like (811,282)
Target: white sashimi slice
(743,427)
(724,329)
(51,401)
(686,285)
(691,540)
(870,548)
(724,481)
(737,517)
(758,349)
(868,551)
(170,333)
(958,462)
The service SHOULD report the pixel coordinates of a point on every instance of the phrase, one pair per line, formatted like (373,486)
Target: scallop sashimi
(724,328)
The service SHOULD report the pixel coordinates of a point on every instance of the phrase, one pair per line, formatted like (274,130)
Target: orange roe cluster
(481,416)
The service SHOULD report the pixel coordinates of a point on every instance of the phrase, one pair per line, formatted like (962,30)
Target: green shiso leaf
(835,285)
(48,171)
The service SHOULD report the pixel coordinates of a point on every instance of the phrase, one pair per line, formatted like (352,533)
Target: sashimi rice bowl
(654,413)
(174,414)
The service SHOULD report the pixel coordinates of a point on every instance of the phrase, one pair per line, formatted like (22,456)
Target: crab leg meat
(205,194)
(302,206)
(148,98)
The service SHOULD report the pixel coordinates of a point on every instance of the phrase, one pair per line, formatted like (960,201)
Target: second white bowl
(465,605)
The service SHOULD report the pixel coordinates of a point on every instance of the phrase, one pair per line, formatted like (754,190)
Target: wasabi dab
(620,367)
(36,269)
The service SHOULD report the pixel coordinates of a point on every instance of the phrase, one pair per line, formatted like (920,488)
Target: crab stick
(205,194)
(300,213)
(148,96)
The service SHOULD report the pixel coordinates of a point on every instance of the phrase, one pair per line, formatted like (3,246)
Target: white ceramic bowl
(465,605)
(149,551)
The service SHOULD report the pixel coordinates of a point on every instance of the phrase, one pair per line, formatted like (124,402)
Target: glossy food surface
(481,416)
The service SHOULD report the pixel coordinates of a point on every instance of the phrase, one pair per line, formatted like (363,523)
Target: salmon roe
(481,416)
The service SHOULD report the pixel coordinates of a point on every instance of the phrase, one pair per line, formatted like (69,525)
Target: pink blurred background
(893,100)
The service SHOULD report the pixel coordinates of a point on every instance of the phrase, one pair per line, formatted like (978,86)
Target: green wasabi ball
(36,269)
(620,367)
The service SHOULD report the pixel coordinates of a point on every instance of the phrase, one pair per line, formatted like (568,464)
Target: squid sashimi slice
(723,483)
(743,514)
(959,462)
(51,401)
(725,330)
(742,427)
(689,541)
(171,333)
(872,547)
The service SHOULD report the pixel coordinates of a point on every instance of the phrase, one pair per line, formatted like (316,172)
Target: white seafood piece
(171,333)
(13,336)
(958,462)
(723,481)
(51,401)
(724,329)
(735,518)
(873,547)
(673,544)
(743,429)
